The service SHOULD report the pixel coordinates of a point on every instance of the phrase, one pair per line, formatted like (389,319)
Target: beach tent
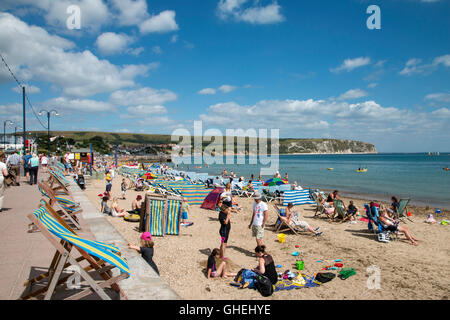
(297,197)
(212,199)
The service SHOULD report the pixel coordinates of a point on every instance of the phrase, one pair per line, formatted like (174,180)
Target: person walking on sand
(225,226)
(259,218)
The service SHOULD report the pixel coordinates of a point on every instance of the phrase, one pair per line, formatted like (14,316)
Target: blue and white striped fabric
(297,197)
(101,250)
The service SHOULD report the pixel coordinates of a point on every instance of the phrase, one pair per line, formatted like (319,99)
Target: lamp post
(48,125)
(4,132)
(15,136)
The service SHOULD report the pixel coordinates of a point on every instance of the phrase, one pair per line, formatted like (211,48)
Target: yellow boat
(330,168)
(361,170)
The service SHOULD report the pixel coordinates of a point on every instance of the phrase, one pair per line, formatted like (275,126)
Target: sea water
(417,176)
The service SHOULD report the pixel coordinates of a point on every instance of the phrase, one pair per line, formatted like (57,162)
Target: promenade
(24,255)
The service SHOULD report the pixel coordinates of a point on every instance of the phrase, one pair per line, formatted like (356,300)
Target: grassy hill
(288,145)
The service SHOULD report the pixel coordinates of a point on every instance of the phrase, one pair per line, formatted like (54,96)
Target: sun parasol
(275,182)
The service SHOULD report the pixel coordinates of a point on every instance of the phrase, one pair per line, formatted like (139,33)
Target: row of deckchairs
(99,264)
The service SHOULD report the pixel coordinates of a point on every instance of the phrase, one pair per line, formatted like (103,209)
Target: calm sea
(417,176)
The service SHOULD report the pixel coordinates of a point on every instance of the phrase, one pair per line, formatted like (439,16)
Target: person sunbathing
(292,219)
(392,225)
(115,210)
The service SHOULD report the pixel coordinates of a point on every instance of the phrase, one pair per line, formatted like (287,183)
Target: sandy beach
(407,271)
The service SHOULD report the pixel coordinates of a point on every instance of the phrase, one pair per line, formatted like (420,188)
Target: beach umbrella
(275,182)
(148,175)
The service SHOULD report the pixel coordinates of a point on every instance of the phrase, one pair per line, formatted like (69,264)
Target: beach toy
(297,246)
(300,264)
(281,238)
(444,222)
(346,272)
(332,268)
(319,261)
(296,253)
(438,211)
(278,266)
(409,214)
(337,260)
(339,265)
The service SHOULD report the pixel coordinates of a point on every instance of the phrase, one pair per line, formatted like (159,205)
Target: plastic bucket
(281,238)
(300,264)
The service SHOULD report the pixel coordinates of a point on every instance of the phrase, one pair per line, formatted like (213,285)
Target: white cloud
(28,89)
(351,64)
(441,97)
(157,50)
(112,43)
(146,110)
(65,105)
(174,38)
(207,91)
(415,66)
(353,94)
(143,96)
(254,14)
(372,85)
(130,12)
(35,54)
(163,22)
(226,88)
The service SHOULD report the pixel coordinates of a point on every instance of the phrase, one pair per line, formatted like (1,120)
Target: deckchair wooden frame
(63,258)
(146,214)
(58,186)
(401,215)
(282,223)
(71,216)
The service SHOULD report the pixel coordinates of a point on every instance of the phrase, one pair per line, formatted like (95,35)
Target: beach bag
(264,286)
(324,277)
(245,275)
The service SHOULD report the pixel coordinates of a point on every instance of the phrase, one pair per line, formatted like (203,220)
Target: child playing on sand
(352,212)
(146,249)
(212,271)
(116,211)
(184,212)
(105,209)
(123,187)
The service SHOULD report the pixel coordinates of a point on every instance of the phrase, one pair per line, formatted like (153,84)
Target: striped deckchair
(67,208)
(58,185)
(102,258)
(156,218)
(173,217)
(297,197)
(401,211)
(339,210)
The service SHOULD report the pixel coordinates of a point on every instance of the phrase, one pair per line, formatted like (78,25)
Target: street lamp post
(48,125)
(4,132)
(15,136)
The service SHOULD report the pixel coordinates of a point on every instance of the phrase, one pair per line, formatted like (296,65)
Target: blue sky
(309,68)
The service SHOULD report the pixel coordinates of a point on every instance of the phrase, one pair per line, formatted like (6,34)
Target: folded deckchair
(60,176)
(67,208)
(339,209)
(102,258)
(162,215)
(173,217)
(402,210)
(297,197)
(58,185)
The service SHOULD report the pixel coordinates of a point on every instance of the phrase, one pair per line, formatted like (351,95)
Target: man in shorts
(259,218)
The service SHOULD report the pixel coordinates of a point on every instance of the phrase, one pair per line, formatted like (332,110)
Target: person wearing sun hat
(146,249)
(259,218)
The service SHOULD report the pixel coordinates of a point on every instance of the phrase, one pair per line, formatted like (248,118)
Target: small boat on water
(330,169)
(446,169)
(361,170)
